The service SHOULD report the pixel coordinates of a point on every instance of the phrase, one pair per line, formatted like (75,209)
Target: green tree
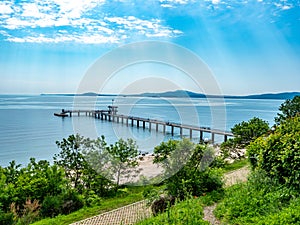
(279,153)
(245,132)
(123,159)
(71,158)
(12,171)
(290,108)
(84,161)
(188,168)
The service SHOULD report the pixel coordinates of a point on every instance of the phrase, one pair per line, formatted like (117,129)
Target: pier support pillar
(191,134)
(132,122)
(138,123)
(225,138)
(181,132)
(144,124)
(164,129)
(157,127)
(212,138)
(150,126)
(201,135)
(172,130)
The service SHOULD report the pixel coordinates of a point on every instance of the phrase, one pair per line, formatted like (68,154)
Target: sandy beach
(146,169)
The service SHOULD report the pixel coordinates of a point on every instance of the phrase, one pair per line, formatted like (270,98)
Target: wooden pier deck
(112,116)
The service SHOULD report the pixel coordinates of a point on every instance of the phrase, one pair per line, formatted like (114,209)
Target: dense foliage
(25,190)
(271,195)
(41,190)
(290,108)
(279,153)
(188,168)
(244,133)
(259,201)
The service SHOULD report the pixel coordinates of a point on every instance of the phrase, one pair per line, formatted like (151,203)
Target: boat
(61,114)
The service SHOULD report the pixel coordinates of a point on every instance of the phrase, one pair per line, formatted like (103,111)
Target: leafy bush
(6,218)
(245,132)
(191,165)
(279,153)
(290,108)
(72,201)
(188,212)
(51,206)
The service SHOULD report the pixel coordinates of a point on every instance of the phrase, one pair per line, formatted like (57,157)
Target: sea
(30,129)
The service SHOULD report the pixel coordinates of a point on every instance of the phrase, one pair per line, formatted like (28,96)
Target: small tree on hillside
(244,133)
(290,108)
(71,158)
(123,161)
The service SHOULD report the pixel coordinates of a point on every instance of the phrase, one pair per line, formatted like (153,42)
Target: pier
(111,115)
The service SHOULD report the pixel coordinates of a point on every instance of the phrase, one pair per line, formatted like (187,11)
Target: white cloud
(31,10)
(75,20)
(15,23)
(174,3)
(286,7)
(5,8)
(283,6)
(166,6)
(149,28)
(86,39)
(75,8)
(215,1)
(181,2)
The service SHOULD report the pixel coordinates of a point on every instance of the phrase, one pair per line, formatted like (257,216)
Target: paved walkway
(125,215)
(135,212)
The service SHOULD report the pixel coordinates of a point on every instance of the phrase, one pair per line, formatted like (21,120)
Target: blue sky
(250,46)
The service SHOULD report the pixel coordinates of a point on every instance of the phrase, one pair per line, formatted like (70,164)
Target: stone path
(125,215)
(231,178)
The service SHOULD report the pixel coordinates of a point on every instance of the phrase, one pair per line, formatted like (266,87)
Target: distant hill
(174,94)
(182,94)
(189,94)
(284,95)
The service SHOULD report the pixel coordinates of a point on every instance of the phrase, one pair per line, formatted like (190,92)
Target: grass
(238,164)
(187,212)
(126,196)
(261,200)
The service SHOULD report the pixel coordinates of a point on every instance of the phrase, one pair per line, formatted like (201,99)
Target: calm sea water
(29,128)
